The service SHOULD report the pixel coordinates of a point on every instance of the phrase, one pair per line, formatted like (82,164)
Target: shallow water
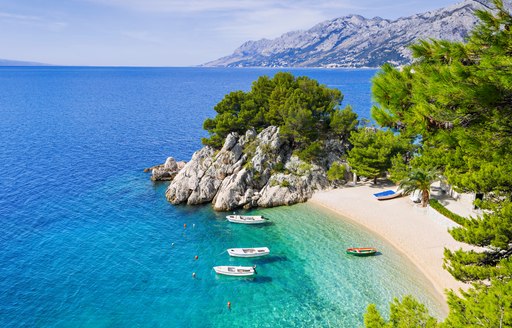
(87,240)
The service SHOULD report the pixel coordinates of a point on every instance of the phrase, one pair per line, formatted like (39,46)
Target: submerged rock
(250,170)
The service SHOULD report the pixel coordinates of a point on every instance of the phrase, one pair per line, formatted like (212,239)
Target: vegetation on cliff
(267,147)
(306,112)
(456,101)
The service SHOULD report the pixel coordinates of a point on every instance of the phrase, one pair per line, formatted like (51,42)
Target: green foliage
(399,168)
(406,314)
(336,172)
(266,148)
(304,167)
(343,122)
(455,100)
(279,167)
(372,151)
(250,148)
(435,204)
(372,318)
(304,110)
(481,306)
(421,180)
(311,152)
(285,183)
(494,232)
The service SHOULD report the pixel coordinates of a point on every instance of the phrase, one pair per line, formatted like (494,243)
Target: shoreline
(421,234)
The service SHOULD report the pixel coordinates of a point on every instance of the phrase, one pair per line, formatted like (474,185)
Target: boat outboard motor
(254,267)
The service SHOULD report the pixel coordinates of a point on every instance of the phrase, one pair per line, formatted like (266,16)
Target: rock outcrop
(249,171)
(355,41)
(166,171)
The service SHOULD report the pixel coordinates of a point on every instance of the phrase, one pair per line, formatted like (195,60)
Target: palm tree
(420,179)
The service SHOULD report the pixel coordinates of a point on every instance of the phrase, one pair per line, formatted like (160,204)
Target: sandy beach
(420,233)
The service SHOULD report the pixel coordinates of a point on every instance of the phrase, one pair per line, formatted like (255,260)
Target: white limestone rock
(166,171)
(244,174)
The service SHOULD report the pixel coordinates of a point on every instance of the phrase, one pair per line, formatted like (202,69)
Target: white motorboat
(246,219)
(238,271)
(249,252)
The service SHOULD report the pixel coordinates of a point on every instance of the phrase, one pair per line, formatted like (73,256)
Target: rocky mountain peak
(355,41)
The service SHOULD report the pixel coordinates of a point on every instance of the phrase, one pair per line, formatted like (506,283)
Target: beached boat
(249,252)
(361,251)
(238,271)
(246,219)
(388,194)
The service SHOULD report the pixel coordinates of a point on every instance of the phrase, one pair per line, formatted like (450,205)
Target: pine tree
(305,110)
(372,151)
(456,101)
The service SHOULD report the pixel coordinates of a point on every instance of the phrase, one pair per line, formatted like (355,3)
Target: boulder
(200,179)
(166,171)
(170,164)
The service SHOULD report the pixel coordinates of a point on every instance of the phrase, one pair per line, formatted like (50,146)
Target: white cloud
(202,6)
(33,20)
(269,23)
(16,17)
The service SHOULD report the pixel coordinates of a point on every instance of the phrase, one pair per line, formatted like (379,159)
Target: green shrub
(250,148)
(435,204)
(311,152)
(285,184)
(305,167)
(266,149)
(279,167)
(248,165)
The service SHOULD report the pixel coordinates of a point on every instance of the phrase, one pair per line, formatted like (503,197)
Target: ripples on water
(86,239)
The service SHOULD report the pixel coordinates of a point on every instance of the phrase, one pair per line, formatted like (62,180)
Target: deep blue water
(86,239)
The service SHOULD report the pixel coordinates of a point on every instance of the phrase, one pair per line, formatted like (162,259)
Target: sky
(166,32)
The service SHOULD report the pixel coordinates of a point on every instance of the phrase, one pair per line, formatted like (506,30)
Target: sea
(87,240)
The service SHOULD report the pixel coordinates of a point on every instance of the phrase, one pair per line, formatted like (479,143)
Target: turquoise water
(86,240)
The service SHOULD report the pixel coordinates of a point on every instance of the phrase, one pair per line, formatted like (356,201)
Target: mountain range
(355,41)
(7,62)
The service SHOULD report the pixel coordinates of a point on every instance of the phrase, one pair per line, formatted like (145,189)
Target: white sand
(420,233)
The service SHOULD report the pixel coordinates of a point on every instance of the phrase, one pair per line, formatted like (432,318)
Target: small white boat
(249,252)
(238,271)
(246,219)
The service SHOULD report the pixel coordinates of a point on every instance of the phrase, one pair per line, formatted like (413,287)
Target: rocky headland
(250,170)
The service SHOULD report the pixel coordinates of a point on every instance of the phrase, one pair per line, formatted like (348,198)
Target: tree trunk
(424,198)
(375,180)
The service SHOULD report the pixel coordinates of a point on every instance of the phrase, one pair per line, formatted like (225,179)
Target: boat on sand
(361,251)
(249,252)
(246,219)
(238,271)
(388,194)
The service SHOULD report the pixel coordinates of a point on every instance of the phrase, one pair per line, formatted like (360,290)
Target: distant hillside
(6,62)
(355,41)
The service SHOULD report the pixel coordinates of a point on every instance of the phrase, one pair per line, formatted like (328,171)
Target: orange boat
(361,251)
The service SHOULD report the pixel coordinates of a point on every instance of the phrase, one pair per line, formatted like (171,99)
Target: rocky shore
(252,170)
(166,171)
